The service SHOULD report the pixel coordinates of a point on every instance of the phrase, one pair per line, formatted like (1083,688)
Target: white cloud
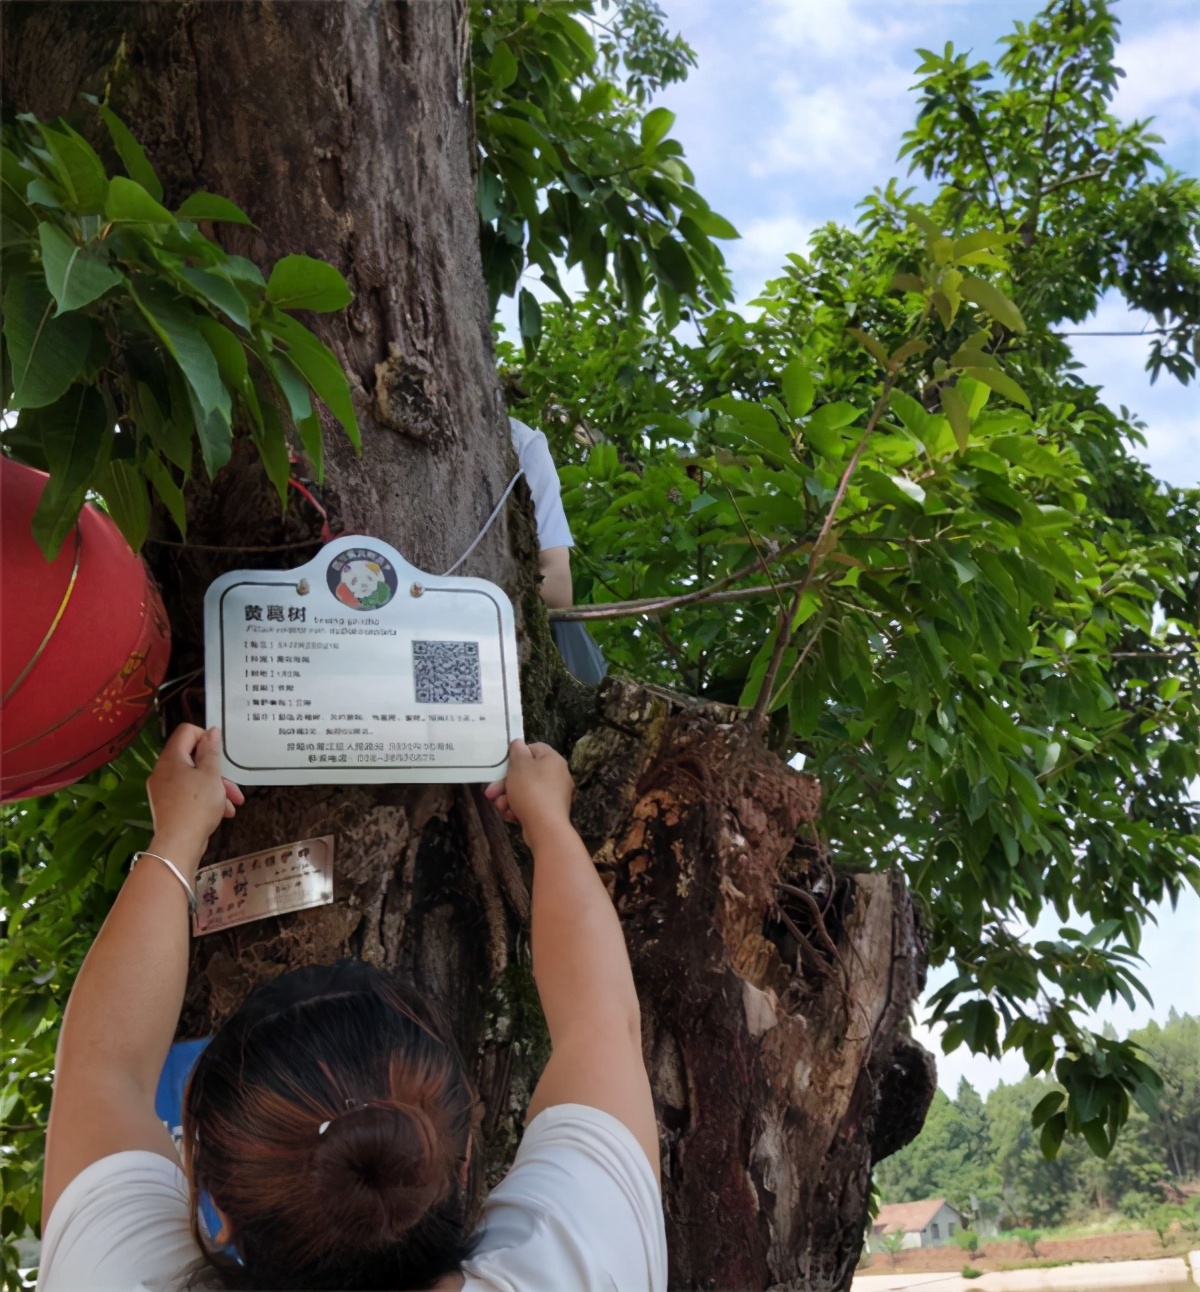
(838,105)
(1162,80)
(842,134)
(762,250)
(837,28)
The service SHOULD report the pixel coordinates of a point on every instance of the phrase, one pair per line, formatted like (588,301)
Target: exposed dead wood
(771,1112)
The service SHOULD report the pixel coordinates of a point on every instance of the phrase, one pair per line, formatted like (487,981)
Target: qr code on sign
(447,672)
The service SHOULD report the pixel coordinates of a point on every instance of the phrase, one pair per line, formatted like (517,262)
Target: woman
(579,652)
(330,1118)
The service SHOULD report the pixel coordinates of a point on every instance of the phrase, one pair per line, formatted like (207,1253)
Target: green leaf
(47,353)
(955,408)
(758,424)
(1097,1137)
(302,283)
(320,368)
(992,301)
(673,261)
(914,416)
(214,430)
(132,154)
(1053,1131)
(502,67)
(1001,383)
(975,393)
(907,283)
(172,433)
(312,441)
(156,471)
(271,441)
(15,179)
(129,203)
(295,392)
(176,324)
(529,320)
(798,388)
(980,241)
(746,411)
(229,351)
(245,271)
(810,603)
(55,517)
(655,125)
(822,428)
(211,206)
(219,290)
(876,348)
(714,225)
(901,355)
(75,275)
(1047,1107)
(123,488)
(74,435)
(77,167)
(834,416)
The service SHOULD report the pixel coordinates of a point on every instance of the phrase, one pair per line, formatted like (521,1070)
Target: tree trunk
(775,990)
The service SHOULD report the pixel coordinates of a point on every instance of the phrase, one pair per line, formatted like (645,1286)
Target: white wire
(487,524)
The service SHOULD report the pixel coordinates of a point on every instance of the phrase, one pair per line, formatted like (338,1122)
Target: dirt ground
(1000,1254)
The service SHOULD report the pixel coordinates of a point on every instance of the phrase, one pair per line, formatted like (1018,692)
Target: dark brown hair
(328,1119)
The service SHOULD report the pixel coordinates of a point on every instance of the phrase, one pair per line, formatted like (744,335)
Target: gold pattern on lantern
(117,697)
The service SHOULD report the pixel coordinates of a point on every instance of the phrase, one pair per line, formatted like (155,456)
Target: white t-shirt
(533,453)
(579,1211)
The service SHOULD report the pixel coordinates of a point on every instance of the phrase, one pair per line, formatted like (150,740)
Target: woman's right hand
(189,797)
(537,791)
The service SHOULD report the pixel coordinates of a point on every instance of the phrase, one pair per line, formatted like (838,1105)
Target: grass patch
(1042,1264)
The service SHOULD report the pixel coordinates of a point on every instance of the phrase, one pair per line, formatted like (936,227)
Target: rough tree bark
(775,990)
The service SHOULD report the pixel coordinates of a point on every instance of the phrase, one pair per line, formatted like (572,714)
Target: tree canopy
(983,1157)
(973,612)
(881,507)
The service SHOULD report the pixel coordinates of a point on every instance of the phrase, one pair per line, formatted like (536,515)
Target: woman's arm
(554,564)
(121,1015)
(580,961)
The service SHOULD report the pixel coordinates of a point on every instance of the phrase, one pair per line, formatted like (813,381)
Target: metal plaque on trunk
(359,668)
(272,882)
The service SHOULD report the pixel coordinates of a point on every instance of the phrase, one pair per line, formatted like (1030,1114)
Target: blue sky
(795,113)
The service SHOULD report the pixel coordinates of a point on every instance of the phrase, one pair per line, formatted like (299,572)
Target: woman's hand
(188,795)
(537,791)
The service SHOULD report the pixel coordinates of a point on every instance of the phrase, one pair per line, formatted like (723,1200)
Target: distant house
(923,1224)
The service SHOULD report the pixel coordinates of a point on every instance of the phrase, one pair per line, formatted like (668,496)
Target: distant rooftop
(907,1217)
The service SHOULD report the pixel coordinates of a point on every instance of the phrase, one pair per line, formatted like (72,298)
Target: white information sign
(272,882)
(358,668)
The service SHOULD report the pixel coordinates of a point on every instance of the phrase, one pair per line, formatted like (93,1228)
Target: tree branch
(817,556)
(656,605)
(648,605)
(1068,180)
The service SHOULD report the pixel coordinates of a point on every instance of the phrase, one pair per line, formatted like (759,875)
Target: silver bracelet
(171,866)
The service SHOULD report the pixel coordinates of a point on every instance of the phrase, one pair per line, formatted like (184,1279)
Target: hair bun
(378,1170)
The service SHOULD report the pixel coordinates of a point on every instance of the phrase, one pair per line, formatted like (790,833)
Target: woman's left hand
(188,795)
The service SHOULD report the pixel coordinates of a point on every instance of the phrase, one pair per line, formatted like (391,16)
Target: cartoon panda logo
(362,579)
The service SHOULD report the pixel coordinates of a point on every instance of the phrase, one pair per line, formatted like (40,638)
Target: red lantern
(84,644)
